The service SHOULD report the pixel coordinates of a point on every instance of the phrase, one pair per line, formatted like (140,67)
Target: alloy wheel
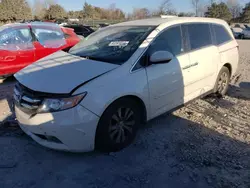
(223,82)
(121,125)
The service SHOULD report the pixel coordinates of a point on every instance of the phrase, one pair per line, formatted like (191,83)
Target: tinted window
(221,34)
(199,35)
(85,29)
(170,40)
(79,29)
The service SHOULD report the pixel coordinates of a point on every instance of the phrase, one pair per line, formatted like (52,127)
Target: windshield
(112,44)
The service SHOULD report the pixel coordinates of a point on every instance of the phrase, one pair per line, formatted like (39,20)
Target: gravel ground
(205,144)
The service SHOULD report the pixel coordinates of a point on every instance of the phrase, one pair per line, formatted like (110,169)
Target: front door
(167,81)
(16,49)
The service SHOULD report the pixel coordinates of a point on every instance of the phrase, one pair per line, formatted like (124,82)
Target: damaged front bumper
(70,130)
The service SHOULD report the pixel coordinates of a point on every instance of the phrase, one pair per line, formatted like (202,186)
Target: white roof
(159,21)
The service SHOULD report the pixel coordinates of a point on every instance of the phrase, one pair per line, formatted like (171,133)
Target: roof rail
(168,16)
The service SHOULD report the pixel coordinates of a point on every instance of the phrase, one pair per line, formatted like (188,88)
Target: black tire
(222,82)
(109,128)
(6,76)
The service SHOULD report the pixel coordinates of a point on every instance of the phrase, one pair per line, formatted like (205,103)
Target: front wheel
(118,125)
(222,82)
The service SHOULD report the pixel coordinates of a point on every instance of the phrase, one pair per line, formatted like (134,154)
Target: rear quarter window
(221,34)
(50,37)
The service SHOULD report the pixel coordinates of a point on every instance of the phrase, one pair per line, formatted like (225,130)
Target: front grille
(26,99)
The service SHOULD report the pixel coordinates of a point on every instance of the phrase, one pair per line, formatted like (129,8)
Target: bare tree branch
(165,8)
(200,7)
(234,7)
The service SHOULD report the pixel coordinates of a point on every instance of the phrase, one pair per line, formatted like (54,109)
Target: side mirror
(160,57)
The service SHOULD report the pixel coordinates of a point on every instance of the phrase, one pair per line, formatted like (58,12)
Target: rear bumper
(71,130)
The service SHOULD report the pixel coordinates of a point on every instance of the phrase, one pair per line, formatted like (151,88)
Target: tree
(140,13)
(220,11)
(55,12)
(196,5)
(114,13)
(200,7)
(186,14)
(165,8)
(48,3)
(88,11)
(9,11)
(212,2)
(111,11)
(234,7)
(75,14)
(39,9)
(245,16)
(93,12)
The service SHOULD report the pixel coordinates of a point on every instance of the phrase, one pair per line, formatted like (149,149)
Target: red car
(23,44)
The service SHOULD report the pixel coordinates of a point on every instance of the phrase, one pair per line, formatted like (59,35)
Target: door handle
(190,66)
(195,64)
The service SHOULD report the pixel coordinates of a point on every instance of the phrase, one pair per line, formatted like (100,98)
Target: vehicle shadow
(245,85)
(8,124)
(241,92)
(9,79)
(169,150)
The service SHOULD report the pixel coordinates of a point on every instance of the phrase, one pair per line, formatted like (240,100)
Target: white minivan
(98,93)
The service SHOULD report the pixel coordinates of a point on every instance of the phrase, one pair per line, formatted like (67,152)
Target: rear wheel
(222,82)
(118,125)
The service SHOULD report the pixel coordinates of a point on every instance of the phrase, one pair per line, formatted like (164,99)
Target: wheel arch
(229,66)
(138,100)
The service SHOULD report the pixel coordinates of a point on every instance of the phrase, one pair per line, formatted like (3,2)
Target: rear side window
(50,37)
(221,34)
(199,35)
(170,40)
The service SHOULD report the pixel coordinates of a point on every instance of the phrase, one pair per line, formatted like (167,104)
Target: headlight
(59,104)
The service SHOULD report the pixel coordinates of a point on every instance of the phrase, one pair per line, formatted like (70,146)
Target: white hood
(61,73)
